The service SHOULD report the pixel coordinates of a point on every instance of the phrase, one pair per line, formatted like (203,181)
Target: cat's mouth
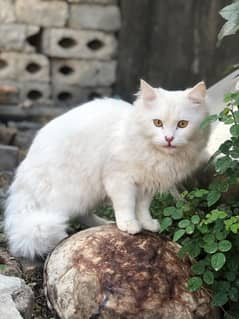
(169,146)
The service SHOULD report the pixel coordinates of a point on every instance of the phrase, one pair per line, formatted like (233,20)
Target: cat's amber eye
(182,123)
(158,123)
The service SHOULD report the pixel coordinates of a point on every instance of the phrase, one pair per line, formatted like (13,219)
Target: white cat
(105,148)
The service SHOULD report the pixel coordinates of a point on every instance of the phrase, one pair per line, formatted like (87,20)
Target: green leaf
(213,197)
(177,214)
(220,298)
(229,13)
(198,268)
(225,147)
(193,249)
(168,211)
(222,164)
(220,235)
(184,223)
(190,229)
(199,193)
(165,223)
(209,238)
(217,261)
(233,294)
(208,277)
(178,234)
(231,276)
(208,120)
(234,130)
(195,219)
(194,283)
(210,247)
(224,245)
(203,229)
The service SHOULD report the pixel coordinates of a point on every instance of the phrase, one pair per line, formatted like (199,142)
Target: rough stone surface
(15,37)
(9,265)
(66,95)
(8,157)
(83,73)
(95,17)
(105,273)
(16,299)
(7,11)
(68,43)
(50,13)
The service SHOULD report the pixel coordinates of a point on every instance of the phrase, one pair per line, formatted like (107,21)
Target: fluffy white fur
(105,148)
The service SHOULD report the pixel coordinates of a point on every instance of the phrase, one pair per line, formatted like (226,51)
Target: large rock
(105,273)
(16,298)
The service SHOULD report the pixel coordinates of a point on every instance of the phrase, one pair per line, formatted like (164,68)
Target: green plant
(231,14)
(205,222)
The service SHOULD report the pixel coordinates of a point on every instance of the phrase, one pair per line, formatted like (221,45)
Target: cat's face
(171,119)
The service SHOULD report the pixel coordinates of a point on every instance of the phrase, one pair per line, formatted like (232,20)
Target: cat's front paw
(130,226)
(150,224)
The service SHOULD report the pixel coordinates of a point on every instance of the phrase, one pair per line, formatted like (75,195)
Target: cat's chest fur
(150,169)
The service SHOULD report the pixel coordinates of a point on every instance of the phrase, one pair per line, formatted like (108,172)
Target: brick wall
(59,51)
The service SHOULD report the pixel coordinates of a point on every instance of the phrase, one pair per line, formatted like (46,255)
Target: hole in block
(94,95)
(34,95)
(95,44)
(33,67)
(35,40)
(3,64)
(64,96)
(66,70)
(67,43)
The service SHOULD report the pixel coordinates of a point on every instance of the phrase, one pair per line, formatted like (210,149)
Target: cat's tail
(92,220)
(215,94)
(30,231)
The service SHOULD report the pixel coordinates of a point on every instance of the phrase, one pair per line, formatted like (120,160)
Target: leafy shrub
(231,14)
(205,222)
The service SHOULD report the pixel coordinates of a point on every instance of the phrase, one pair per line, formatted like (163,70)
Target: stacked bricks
(58,50)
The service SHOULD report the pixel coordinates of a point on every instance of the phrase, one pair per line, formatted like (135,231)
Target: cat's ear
(197,93)
(147,92)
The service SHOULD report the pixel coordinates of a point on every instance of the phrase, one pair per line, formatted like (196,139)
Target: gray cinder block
(69,43)
(24,67)
(7,11)
(96,17)
(66,95)
(17,37)
(43,13)
(83,73)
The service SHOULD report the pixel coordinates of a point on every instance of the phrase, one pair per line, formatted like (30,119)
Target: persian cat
(105,148)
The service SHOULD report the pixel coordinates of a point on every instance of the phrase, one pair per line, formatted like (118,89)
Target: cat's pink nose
(169,138)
